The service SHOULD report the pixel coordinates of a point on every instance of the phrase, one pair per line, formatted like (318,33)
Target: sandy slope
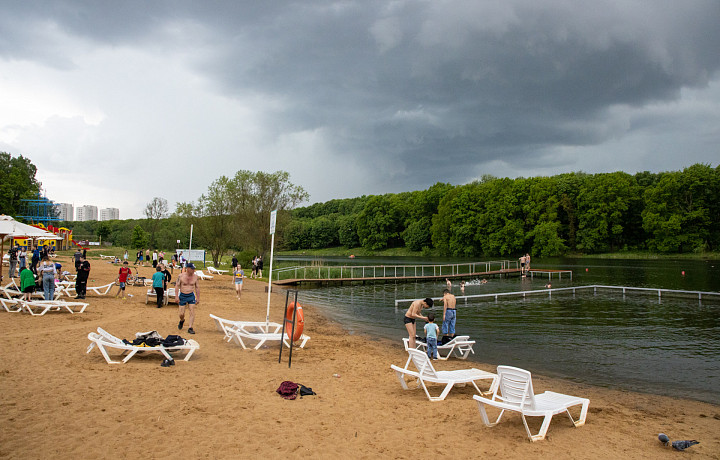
(59,402)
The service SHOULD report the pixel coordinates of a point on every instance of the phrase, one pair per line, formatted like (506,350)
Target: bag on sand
(306,391)
(288,389)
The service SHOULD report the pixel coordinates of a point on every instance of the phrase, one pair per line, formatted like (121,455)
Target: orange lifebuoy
(299,320)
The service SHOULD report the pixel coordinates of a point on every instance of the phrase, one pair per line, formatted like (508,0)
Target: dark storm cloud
(427,84)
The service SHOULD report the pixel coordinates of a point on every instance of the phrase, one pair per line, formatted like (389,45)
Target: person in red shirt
(122,279)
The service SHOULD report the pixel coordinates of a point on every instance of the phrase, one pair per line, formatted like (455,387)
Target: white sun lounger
(240,336)
(427,373)
(226,326)
(461,345)
(11,293)
(99,290)
(106,257)
(11,305)
(515,393)
(40,307)
(103,340)
(202,275)
(215,271)
(169,293)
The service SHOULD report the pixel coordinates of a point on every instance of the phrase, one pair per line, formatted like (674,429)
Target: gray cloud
(419,87)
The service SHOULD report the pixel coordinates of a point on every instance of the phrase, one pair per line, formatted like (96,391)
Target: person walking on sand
(125,256)
(238,275)
(449,314)
(158,283)
(147,256)
(259,267)
(187,292)
(155,258)
(123,274)
(81,280)
(413,313)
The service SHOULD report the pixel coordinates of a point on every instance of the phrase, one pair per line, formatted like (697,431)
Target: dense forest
(669,212)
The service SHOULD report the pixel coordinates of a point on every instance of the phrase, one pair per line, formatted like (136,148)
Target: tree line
(668,212)
(234,214)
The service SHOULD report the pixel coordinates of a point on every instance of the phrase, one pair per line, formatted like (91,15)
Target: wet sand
(59,402)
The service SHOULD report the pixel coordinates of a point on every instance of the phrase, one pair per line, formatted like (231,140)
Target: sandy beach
(59,402)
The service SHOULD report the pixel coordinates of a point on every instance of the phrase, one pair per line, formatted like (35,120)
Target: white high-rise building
(86,212)
(110,214)
(65,211)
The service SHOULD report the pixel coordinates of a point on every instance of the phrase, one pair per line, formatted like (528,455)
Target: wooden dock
(422,277)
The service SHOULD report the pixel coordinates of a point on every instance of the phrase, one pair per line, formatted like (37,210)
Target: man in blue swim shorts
(187,293)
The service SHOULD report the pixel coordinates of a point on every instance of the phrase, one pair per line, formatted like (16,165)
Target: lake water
(637,342)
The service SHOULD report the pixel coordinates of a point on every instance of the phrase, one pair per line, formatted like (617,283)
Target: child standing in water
(431,334)
(238,275)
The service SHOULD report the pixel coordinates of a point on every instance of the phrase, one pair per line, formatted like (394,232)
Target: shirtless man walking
(413,313)
(187,292)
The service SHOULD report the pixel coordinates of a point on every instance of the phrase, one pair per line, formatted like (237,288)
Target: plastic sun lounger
(40,307)
(11,305)
(102,340)
(427,373)
(99,290)
(238,334)
(215,271)
(166,298)
(106,257)
(515,393)
(461,345)
(227,327)
(10,293)
(202,275)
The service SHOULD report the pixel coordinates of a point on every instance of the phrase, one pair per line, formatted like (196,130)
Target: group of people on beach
(43,274)
(187,289)
(432,331)
(156,257)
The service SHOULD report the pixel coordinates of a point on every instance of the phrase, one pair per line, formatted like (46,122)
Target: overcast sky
(117,102)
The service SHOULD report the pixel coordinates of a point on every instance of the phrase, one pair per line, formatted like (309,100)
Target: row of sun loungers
(511,389)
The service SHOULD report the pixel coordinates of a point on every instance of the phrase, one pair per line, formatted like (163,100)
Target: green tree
(381,222)
(139,239)
(103,230)
(155,210)
(17,181)
(681,210)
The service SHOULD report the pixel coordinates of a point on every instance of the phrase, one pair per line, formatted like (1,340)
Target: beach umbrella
(7,230)
(10,228)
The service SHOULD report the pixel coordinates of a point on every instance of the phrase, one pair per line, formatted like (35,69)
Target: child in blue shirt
(431,334)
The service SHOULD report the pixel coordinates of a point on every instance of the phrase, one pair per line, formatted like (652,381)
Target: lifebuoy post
(289,323)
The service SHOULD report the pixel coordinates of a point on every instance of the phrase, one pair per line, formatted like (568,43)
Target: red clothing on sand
(124,272)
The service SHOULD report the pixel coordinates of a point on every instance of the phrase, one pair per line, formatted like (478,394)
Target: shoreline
(60,402)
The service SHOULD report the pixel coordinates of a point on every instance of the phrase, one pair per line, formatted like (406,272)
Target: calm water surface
(636,342)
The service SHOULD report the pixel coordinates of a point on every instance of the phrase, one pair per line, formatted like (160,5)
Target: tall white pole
(190,248)
(273,218)
(272,248)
